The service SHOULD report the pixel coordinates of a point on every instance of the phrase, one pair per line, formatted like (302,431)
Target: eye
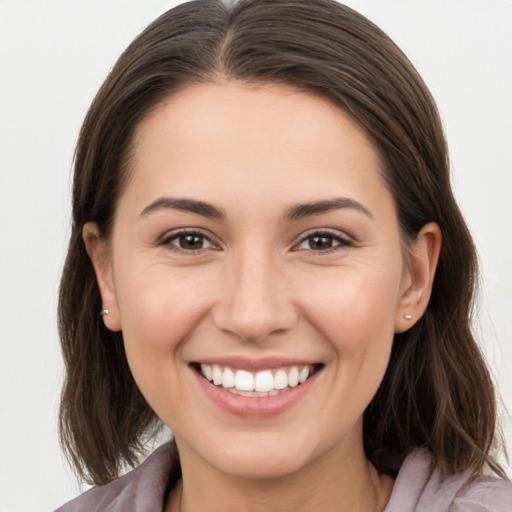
(323,241)
(188,241)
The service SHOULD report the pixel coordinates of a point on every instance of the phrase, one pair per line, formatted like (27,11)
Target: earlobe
(98,254)
(421,268)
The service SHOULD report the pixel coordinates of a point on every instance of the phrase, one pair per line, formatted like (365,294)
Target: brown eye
(322,242)
(187,241)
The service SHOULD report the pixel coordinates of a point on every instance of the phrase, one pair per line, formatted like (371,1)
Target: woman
(267,257)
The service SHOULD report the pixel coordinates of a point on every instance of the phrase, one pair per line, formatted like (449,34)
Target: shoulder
(487,494)
(144,488)
(419,489)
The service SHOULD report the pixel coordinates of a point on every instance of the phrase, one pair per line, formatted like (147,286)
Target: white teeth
(293,377)
(228,378)
(261,384)
(206,371)
(280,380)
(244,381)
(264,381)
(304,374)
(216,375)
(252,394)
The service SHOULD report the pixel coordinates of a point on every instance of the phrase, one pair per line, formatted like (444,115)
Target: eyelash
(176,235)
(341,242)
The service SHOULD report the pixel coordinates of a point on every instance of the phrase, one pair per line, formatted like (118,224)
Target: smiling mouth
(260,384)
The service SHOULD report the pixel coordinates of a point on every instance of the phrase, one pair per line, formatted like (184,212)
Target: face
(255,268)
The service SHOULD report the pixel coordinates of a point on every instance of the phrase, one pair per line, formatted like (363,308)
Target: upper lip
(254,365)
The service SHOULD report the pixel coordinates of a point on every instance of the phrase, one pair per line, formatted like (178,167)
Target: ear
(418,277)
(97,250)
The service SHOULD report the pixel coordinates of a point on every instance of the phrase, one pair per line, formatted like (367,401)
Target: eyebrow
(184,205)
(315,208)
(297,212)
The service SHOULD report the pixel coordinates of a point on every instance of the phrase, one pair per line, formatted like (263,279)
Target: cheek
(354,310)
(160,310)
(351,304)
(159,307)
(356,319)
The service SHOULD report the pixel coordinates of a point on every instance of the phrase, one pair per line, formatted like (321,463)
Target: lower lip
(255,407)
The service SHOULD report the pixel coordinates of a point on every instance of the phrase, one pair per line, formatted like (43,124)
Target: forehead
(264,139)
(241,111)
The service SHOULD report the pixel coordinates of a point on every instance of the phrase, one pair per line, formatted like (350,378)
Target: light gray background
(53,57)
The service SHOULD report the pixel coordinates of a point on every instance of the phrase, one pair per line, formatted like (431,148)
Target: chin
(262,466)
(271,459)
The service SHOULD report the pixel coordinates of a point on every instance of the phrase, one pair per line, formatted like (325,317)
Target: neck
(330,483)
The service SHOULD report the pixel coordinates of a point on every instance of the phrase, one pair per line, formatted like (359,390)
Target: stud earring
(407,316)
(104,312)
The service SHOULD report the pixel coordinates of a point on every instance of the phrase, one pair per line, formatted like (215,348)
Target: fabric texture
(417,489)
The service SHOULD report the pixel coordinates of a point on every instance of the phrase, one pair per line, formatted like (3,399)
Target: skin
(259,287)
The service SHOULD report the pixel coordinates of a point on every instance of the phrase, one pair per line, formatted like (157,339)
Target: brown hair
(437,392)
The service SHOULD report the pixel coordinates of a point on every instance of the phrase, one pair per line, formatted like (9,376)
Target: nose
(256,300)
